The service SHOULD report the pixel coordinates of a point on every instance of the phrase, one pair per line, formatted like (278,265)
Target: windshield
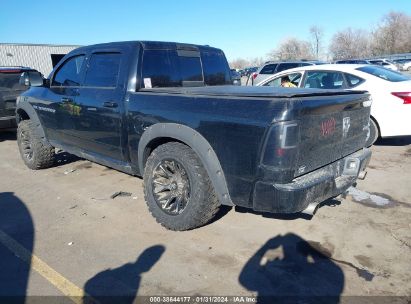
(384,73)
(10,81)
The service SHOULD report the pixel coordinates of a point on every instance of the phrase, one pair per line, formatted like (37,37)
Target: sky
(240,28)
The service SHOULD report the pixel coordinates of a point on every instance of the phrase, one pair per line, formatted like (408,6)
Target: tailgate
(331,127)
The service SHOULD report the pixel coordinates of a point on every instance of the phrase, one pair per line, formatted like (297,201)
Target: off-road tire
(203,203)
(374,133)
(41,153)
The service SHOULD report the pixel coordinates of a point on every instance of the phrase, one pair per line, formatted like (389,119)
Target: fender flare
(200,146)
(28,108)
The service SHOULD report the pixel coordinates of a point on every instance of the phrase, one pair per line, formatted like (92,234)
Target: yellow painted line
(68,288)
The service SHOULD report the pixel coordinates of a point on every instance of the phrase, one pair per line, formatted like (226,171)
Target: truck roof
(153,45)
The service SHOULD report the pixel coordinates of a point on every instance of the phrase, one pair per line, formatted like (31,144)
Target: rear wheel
(35,152)
(374,133)
(177,189)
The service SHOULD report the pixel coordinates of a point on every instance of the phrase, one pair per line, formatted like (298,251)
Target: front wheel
(177,189)
(35,152)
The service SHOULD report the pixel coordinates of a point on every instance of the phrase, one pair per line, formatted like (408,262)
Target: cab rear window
(215,68)
(164,68)
(173,68)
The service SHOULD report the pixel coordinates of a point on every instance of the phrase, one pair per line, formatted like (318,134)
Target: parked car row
(383,62)
(236,77)
(390,91)
(257,74)
(404,64)
(271,67)
(248,71)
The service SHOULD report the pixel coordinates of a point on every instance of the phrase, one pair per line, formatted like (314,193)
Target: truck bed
(249,91)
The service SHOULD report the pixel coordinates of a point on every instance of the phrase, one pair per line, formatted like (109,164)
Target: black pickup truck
(10,89)
(166,112)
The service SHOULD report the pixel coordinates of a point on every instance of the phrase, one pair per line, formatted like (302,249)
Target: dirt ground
(76,236)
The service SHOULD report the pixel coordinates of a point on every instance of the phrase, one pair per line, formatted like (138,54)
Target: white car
(390,92)
(406,66)
(385,63)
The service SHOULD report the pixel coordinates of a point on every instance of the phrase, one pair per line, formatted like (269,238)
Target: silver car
(272,67)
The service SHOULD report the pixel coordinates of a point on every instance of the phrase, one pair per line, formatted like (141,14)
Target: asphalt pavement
(62,235)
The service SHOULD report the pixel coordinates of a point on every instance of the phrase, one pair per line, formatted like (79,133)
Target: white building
(42,57)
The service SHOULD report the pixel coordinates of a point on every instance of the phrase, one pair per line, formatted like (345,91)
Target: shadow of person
(16,231)
(288,269)
(120,285)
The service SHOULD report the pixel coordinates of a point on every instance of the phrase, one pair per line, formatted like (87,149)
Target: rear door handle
(66,99)
(110,104)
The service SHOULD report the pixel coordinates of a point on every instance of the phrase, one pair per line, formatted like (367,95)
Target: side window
(286,66)
(353,81)
(324,80)
(68,74)
(294,78)
(103,70)
(158,70)
(269,69)
(313,80)
(276,82)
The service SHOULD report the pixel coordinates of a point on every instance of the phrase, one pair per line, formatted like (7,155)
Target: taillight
(406,96)
(254,75)
(280,151)
(281,145)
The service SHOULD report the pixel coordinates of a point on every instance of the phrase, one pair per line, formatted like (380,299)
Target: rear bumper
(8,122)
(313,187)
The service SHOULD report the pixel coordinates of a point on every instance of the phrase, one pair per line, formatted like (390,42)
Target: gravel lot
(64,216)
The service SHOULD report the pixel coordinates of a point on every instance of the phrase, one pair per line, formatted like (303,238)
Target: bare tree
(350,43)
(256,61)
(239,63)
(291,49)
(317,34)
(393,35)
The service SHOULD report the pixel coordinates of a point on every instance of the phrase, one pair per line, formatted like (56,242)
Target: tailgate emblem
(328,127)
(346,126)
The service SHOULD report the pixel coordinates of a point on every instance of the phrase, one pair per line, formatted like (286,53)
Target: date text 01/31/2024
(202,299)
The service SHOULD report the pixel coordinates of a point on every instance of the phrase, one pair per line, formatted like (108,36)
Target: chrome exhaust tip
(362,175)
(311,209)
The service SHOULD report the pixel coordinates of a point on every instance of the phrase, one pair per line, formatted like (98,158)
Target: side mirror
(31,79)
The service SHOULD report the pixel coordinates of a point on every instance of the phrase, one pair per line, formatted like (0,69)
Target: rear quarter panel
(234,127)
